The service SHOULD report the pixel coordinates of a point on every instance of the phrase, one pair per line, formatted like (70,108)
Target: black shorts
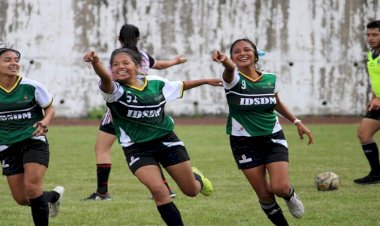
(251,152)
(106,124)
(27,151)
(374,114)
(167,150)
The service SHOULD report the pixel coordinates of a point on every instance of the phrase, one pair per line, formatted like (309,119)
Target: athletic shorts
(374,114)
(27,151)
(106,124)
(251,152)
(167,150)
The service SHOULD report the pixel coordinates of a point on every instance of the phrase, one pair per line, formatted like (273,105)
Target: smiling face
(9,63)
(123,67)
(243,54)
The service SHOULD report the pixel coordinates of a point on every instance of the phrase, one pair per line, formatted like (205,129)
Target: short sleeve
(115,95)
(235,80)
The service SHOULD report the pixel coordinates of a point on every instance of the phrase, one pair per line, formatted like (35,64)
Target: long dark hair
(129,36)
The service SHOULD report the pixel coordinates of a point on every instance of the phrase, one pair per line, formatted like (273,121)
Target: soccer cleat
(369,179)
(295,206)
(172,194)
(55,207)
(98,197)
(207,188)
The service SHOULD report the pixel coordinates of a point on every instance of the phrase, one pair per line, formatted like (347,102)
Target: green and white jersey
(373,65)
(251,105)
(138,113)
(20,108)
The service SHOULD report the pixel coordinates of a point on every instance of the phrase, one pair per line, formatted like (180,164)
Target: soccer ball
(327,181)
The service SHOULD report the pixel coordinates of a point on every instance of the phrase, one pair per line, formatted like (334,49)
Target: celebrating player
(145,132)
(26,110)
(257,141)
(128,37)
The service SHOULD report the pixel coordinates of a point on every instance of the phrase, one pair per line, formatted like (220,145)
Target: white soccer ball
(327,181)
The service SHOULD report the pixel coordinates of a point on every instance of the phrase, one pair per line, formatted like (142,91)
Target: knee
(21,200)
(364,136)
(159,193)
(32,190)
(281,190)
(191,191)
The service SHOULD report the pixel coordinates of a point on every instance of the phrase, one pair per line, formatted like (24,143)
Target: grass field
(72,165)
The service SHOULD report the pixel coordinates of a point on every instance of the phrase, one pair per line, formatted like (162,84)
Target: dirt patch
(218,120)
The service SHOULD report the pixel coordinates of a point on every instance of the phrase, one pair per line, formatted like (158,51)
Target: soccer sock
(40,211)
(274,213)
(372,153)
(103,173)
(198,178)
(51,196)
(291,193)
(170,214)
(163,178)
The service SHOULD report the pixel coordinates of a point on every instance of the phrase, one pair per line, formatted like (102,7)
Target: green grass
(72,165)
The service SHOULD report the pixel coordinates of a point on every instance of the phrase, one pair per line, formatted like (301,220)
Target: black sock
(103,173)
(291,193)
(40,211)
(372,153)
(163,178)
(274,213)
(51,196)
(198,178)
(170,214)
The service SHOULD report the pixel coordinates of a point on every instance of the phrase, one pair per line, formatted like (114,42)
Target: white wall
(323,40)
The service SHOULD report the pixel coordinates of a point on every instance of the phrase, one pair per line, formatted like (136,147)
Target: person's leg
(280,186)
(172,194)
(257,178)
(366,131)
(104,142)
(150,176)
(33,183)
(103,145)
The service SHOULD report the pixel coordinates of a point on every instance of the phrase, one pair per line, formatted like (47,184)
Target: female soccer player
(257,141)
(128,37)
(25,110)
(145,132)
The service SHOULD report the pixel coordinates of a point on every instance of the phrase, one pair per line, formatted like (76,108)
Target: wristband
(296,121)
(43,126)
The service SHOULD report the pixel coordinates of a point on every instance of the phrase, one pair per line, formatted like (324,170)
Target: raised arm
(163,64)
(229,66)
(189,84)
(301,128)
(106,82)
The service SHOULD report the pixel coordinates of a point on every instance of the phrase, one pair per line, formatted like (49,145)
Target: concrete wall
(317,48)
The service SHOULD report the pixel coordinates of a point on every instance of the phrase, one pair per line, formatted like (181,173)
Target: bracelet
(296,121)
(43,126)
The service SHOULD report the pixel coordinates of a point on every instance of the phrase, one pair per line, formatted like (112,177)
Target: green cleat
(207,188)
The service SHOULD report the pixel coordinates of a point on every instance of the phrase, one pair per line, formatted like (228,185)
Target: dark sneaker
(369,179)
(172,194)
(98,197)
(55,207)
